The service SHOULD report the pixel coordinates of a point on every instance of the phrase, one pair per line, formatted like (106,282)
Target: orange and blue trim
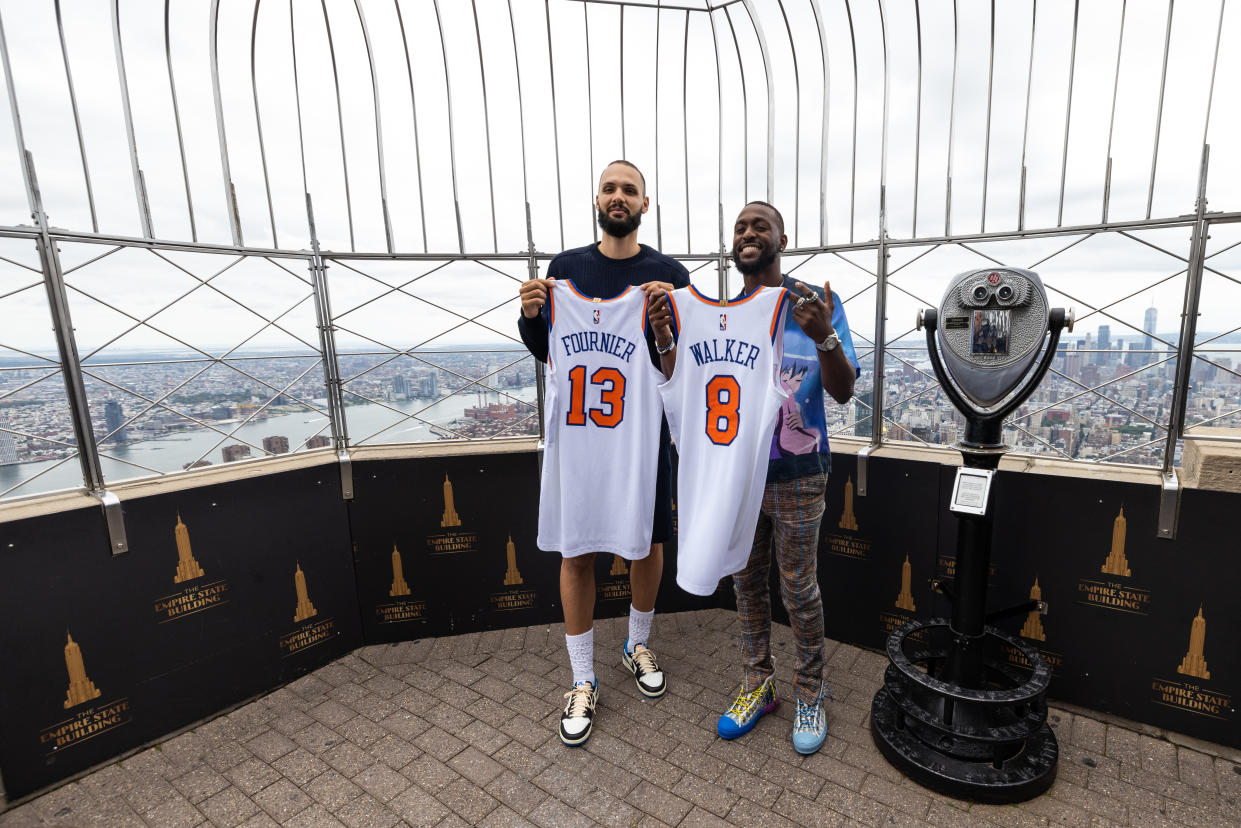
(711,301)
(777,316)
(573,288)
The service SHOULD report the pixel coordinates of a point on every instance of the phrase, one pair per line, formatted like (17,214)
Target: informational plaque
(970,491)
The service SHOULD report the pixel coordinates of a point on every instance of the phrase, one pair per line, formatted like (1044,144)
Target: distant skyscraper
(276,445)
(400,387)
(862,414)
(319,441)
(1105,344)
(1148,324)
(113,417)
(234,452)
(8,447)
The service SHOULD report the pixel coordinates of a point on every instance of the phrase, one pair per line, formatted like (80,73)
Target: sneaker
(809,725)
(578,714)
(747,710)
(646,673)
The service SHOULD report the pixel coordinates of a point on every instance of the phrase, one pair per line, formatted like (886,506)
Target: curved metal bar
(621,31)
(689,231)
(1111,120)
(18,132)
(258,123)
(796,126)
(140,190)
(883,152)
(176,116)
(551,81)
(917,119)
(77,120)
(659,213)
(230,196)
(379,140)
(952,121)
(1068,114)
(1163,82)
(986,153)
(452,141)
(413,104)
(1219,31)
(853,148)
(340,120)
(1025,134)
(745,109)
(297,99)
(521,114)
(827,98)
(771,97)
(719,149)
(590,120)
(482,76)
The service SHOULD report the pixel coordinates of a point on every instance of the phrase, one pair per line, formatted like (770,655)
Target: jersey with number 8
(602,418)
(722,404)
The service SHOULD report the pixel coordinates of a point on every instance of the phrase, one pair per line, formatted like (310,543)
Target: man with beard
(602,271)
(819,348)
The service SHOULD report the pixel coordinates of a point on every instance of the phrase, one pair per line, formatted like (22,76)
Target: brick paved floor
(461,730)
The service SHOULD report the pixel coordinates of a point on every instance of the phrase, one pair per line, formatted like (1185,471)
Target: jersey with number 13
(602,418)
(722,402)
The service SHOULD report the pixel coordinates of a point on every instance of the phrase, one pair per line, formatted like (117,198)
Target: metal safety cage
(406,163)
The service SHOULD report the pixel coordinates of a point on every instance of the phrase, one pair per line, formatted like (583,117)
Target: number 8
(723,409)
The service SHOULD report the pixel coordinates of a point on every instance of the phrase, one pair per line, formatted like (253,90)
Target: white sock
(582,655)
(639,627)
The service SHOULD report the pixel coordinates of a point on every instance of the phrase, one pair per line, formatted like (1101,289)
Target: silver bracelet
(668,350)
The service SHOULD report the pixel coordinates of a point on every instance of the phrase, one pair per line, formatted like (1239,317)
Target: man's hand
(659,309)
(653,288)
(533,295)
(812,314)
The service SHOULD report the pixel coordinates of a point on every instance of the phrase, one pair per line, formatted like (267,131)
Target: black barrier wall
(233,589)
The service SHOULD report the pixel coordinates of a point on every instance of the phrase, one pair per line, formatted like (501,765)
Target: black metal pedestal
(955,714)
(991,743)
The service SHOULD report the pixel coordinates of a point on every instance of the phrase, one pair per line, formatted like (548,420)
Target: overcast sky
(534,120)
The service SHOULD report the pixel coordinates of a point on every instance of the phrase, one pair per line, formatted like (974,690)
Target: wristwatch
(829,343)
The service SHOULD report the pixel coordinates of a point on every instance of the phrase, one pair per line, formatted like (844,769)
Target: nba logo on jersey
(596,316)
(723,321)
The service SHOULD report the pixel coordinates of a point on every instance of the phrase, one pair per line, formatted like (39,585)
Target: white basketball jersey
(602,419)
(722,402)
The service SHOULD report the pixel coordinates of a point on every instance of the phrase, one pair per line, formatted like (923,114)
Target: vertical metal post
(532,268)
(1169,501)
(331,364)
(71,370)
(879,354)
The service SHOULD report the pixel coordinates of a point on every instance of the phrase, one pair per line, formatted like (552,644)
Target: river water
(173,452)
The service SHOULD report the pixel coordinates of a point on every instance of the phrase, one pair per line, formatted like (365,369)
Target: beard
(764,260)
(618,228)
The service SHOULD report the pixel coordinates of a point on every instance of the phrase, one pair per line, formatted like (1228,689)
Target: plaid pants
(789,521)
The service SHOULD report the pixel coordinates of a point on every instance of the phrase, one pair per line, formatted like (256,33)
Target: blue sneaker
(747,709)
(810,725)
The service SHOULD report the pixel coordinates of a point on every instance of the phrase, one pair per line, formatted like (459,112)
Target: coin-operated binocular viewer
(954,714)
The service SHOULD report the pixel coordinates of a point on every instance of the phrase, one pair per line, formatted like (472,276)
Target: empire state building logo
(905,600)
(187,566)
(1116,564)
(1033,628)
(399,587)
(81,688)
(512,577)
(848,521)
(305,609)
(1195,663)
(450,517)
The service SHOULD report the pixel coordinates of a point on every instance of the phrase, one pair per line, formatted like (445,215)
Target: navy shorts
(661,529)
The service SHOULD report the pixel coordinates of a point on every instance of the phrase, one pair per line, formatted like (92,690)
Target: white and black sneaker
(579,713)
(646,673)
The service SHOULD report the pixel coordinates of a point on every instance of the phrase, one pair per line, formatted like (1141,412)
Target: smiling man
(818,357)
(603,271)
